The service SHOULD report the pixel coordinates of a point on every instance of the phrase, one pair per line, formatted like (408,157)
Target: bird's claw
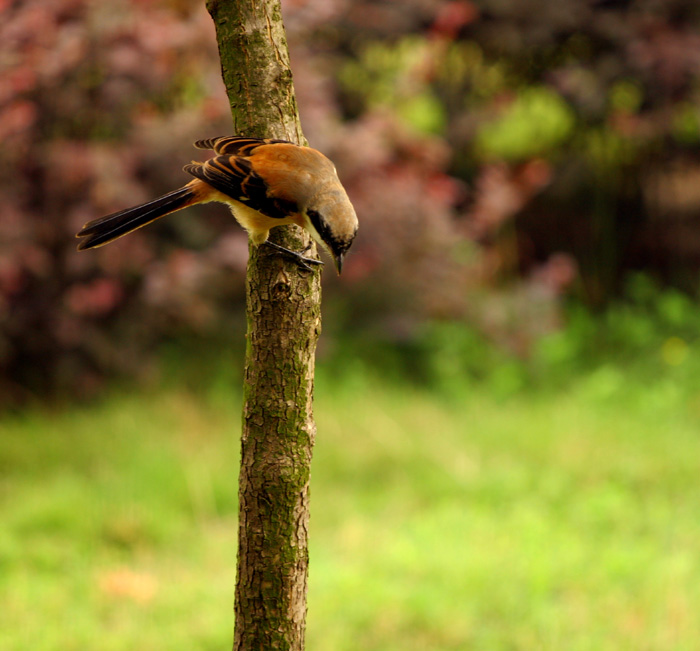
(301,260)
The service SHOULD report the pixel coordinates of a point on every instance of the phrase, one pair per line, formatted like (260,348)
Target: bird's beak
(338,259)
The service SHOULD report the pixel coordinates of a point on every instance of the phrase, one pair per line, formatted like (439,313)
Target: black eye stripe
(336,246)
(319,224)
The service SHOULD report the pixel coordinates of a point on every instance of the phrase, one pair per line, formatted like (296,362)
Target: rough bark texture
(283,310)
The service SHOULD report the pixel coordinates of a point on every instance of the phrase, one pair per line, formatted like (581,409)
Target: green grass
(565,520)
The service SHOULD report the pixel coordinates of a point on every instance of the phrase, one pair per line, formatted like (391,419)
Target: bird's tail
(106,229)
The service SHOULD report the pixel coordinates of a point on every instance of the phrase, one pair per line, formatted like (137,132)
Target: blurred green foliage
(387,76)
(649,335)
(686,124)
(652,333)
(536,123)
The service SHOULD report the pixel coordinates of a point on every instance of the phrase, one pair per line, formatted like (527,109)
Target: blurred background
(508,388)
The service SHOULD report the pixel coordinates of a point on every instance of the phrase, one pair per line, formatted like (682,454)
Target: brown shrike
(266,183)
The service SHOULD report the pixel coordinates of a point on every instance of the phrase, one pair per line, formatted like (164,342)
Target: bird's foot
(301,260)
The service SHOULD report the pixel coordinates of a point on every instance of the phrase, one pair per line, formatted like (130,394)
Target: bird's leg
(300,259)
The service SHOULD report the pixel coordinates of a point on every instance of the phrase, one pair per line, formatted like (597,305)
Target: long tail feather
(106,229)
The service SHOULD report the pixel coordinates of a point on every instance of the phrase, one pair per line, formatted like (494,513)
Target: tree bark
(284,320)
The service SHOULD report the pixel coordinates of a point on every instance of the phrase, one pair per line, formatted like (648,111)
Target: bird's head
(333,223)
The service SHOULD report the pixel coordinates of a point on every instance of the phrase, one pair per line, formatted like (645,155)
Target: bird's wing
(239,145)
(234,176)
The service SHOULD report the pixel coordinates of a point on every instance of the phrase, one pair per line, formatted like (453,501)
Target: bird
(266,183)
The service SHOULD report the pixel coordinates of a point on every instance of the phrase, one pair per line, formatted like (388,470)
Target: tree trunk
(284,317)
